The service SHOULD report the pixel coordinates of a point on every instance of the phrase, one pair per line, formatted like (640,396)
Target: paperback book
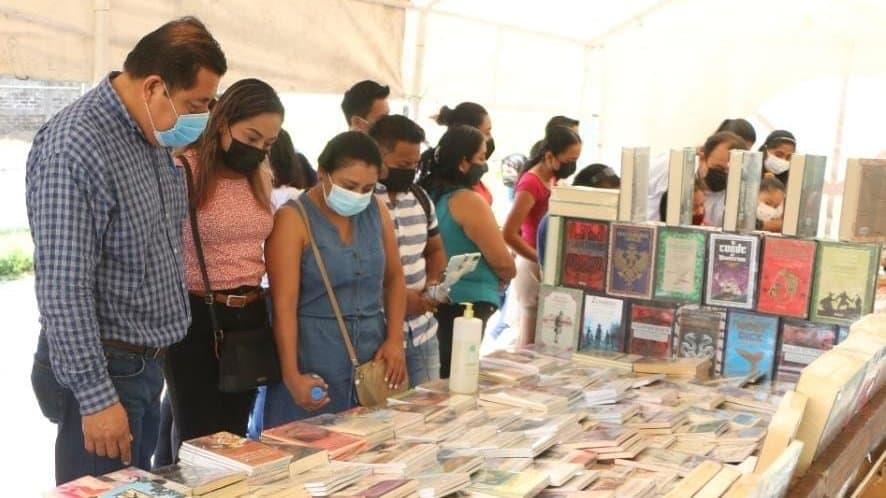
(585,250)
(700,334)
(603,325)
(631,260)
(742,189)
(651,328)
(786,276)
(750,344)
(634,184)
(844,283)
(681,180)
(802,205)
(801,343)
(680,264)
(732,270)
(559,317)
(864,201)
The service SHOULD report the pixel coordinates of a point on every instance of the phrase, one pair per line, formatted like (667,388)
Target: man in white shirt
(658,173)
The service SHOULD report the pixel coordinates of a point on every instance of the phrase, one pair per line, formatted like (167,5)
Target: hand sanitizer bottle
(467,332)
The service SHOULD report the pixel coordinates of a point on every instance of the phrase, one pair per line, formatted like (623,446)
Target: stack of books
(369,428)
(519,445)
(326,481)
(228,451)
(397,458)
(379,487)
(686,368)
(522,398)
(584,203)
(191,480)
(503,484)
(299,433)
(401,420)
(445,484)
(304,458)
(457,402)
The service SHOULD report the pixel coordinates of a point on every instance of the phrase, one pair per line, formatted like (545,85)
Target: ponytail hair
(466,113)
(557,140)
(442,173)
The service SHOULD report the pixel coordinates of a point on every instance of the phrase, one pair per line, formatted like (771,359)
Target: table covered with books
(546,422)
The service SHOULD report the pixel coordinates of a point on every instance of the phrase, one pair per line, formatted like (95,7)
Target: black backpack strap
(424,200)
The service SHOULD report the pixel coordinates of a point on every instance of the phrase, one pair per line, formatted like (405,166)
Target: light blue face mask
(345,202)
(185,131)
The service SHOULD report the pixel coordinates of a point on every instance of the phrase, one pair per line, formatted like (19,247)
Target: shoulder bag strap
(217,333)
(333,300)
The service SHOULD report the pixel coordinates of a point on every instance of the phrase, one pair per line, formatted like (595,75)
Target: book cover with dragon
(603,325)
(750,344)
(585,249)
(679,267)
(631,260)
(732,270)
(651,327)
(700,334)
(801,343)
(844,282)
(786,276)
(559,317)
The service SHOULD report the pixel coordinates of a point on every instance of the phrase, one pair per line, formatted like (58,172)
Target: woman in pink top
(556,160)
(231,192)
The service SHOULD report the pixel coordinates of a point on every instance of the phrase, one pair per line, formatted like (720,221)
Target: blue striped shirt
(106,210)
(413,227)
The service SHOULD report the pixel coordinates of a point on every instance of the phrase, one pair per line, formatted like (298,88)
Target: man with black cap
(364,103)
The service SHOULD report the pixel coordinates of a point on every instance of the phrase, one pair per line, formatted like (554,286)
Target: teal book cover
(750,344)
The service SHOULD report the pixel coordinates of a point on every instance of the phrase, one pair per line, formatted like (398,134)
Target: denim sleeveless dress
(356,272)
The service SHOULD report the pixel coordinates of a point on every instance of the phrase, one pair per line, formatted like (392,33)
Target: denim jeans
(138,381)
(423,361)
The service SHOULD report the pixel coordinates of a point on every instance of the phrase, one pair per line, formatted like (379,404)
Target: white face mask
(776,165)
(765,212)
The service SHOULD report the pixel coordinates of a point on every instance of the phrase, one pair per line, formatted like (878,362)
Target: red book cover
(651,330)
(786,276)
(585,251)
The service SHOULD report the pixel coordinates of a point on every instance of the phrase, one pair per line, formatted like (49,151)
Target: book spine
(673,216)
(553,251)
(626,193)
(794,195)
(733,191)
(851,189)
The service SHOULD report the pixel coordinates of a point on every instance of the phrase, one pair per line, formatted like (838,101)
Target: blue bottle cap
(317,393)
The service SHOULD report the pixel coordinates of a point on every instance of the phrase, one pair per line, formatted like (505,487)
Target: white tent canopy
(661,73)
(296,45)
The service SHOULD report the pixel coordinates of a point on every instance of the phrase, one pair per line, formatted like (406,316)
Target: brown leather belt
(143,351)
(233,300)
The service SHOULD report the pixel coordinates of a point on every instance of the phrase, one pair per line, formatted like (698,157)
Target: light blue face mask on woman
(345,202)
(185,131)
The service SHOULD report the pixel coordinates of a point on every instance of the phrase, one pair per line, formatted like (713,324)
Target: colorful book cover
(786,276)
(631,260)
(603,325)
(680,262)
(84,487)
(750,344)
(651,328)
(700,334)
(236,448)
(585,249)
(559,317)
(315,437)
(844,282)
(801,343)
(141,489)
(732,270)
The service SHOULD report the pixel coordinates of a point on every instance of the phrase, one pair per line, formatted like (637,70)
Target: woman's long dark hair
(557,140)
(289,171)
(457,144)
(243,100)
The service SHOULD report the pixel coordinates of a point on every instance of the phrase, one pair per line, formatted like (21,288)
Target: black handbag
(246,358)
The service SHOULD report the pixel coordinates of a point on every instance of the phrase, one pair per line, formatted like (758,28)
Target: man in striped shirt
(421,247)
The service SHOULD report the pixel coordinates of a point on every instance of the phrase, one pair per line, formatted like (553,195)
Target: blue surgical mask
(346,202)
(185,131)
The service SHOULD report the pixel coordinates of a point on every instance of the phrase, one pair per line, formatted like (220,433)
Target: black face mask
(566,170)
(243,158)
(475,172)
(716,179)
(490,147)
(399,179)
